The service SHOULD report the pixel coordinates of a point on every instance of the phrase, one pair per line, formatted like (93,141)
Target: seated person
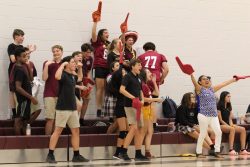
(187,122)
(225,115)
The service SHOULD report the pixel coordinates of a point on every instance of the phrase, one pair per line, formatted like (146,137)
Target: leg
(122,125)
(195,135)
(12,103)
(54,137)
(75,139)
(203,124)
(113,127)
(242,131)
(211,134)
(50,114)
(18,125)
(85,103)
(231,131)
(78,105)
(100,87)
(49,126)
(215,125)
(34,116)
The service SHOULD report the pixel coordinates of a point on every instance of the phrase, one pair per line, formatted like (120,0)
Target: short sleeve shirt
(51,84)
(66,93)
(153,61)
(133,85)
(11,51)
(100,54)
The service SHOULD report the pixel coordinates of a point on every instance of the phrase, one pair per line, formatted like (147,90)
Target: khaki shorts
(131,116)
(147,112)
(71,118)
(50,107)
(33,107)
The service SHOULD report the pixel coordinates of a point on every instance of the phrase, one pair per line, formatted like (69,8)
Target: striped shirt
(207,102)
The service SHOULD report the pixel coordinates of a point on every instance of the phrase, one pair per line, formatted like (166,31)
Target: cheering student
(66,112)
(100,44)
(51,87)
(131,88)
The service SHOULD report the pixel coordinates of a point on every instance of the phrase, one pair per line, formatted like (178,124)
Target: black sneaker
(51,159)
(116,156)
(141,158)
(211,152)
(79,158)
(124,157)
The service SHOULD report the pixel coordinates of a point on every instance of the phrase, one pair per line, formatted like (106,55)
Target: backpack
(169,108)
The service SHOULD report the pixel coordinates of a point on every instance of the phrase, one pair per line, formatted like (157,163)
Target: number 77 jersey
(153,61)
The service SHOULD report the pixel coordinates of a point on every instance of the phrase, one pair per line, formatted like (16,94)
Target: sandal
(244,152)
(232,152)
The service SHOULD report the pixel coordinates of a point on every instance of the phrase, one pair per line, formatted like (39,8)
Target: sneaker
(211,152)
(51,159)
(232,153)
(149,155)
(79,158)
(124,157)
(142,158)
(200,156)
(116,156)
(244,152)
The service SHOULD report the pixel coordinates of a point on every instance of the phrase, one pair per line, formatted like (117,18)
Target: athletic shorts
(50,107)
(71,118)
(131,117)
(120,111)
(147,112)
(23,109)
(101,72)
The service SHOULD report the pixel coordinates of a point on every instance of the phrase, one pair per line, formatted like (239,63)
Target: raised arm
(223,84)
(58,74)
(94,34)
(196,85)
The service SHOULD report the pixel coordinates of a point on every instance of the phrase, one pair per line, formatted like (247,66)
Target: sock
(76,153)
(138,153)
(123,150)
(51,152)
(118,150)
(212,146)
(14,112)
(81,120)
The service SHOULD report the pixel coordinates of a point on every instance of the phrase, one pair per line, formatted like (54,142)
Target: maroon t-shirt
(100,53)
(87,65)
(153,61)
(51,84)
(146,92)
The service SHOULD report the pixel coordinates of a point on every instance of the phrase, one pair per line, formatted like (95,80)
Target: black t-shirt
(11,51)
(133,85)
(225,114)
(112,57)
(114,86)
(187,116)
(66,94)
(21,75)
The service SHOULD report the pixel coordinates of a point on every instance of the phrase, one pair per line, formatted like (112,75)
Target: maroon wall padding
(91,140)
(156,139)
(38,141)
(184,139)
(112,139)
(2,142)
(170,138)
(162,128)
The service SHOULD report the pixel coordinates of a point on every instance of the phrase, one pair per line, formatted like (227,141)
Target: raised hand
(96,15)
(237,77)
(124,25)
(32,48)
(186,68)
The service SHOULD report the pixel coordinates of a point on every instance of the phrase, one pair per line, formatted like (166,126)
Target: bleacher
(94,142)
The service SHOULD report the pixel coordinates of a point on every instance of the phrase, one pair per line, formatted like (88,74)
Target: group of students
(68,84)
(127,88)
(201,117)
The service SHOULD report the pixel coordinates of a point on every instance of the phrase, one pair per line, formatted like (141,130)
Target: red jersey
(153,61)
(100,54)
(87,65)
(51,84)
